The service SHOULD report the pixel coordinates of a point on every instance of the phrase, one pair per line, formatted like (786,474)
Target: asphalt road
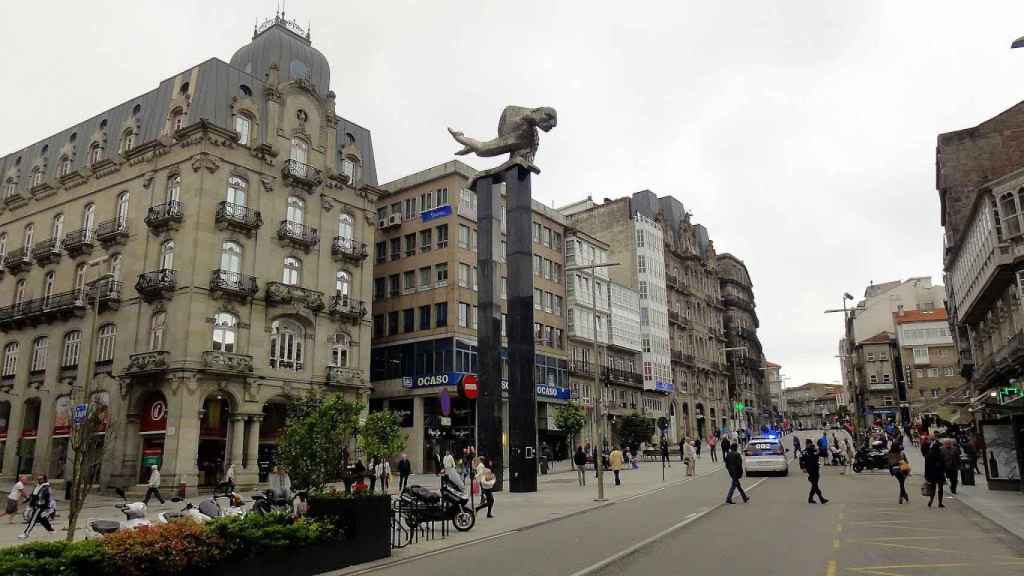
(687,528)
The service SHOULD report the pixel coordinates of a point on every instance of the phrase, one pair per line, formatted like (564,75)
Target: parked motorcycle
(419,505)
(870,459)
(221,505)
(189,512)
(135,517)
(268,502)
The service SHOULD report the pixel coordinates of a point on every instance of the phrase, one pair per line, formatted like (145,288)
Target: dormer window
(177,120)
(65,166)
(37,176)
(95,153)
(9,188)
(242,126)
(127,142)
(350,168)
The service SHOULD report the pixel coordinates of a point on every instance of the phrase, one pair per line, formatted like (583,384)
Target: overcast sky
(801,133)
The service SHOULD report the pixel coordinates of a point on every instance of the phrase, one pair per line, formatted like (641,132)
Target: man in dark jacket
(734,464)
(951,460)
(725,447)
(39,502)
(404,470)
(664,452)
(811,465)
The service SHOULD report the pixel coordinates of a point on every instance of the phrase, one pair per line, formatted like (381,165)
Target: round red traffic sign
(469,387)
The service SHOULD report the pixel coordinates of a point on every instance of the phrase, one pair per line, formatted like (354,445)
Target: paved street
(687,528)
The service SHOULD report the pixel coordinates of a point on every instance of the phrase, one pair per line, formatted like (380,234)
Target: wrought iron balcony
(79,242)
(676,317)
(347,308)
(621,376)
(45,309)
(112,231)
(348,249)
(677,356)
(164,216)
(672,281)
(17,260)
(108,291)
(14,197)
(278,293)
(233,284)
(157,285)
(580,368)
(342,376)
(298,235)
(302,175)
(47,251)
(148,362)
(237,217)
(227,361)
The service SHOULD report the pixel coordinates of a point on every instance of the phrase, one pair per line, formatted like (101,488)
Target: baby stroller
(838,458)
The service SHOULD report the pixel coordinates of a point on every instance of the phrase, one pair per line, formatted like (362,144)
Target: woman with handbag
(900,469)
(487,480)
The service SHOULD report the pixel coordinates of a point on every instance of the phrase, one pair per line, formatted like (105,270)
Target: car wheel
(785,472)
(858,468)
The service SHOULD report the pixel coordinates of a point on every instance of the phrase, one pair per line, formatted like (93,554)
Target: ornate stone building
(747,384)
(226,215)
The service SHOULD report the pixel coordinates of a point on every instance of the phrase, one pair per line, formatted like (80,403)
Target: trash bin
(966,472)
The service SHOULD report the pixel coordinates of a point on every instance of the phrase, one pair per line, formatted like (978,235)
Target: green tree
(570,419)
(317,428)
(635,429)
(381,435)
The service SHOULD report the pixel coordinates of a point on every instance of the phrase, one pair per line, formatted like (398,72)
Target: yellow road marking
(908,547)
(909,566)
(831,570)
(888,538)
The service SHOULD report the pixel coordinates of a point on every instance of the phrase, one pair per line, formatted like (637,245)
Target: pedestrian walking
(926,443)
(734,464)
(696,446)
(711,447)
(935,473)
(404,470)
(812,466)
(664,452)
(900,469)
(615,462)
(972,455)
(691,457)
(384,473)
(823,447)
(951,459)
(280,483)
(14,498)
(229,479)
(796,447)
(850,455)
(40,502)
(153,486)
(725,447)
(580,460)
(487,479)
(682,450)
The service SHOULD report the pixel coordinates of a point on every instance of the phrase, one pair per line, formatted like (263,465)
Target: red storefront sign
(62,417)
(154,415)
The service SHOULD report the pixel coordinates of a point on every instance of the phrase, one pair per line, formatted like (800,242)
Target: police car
(764,455)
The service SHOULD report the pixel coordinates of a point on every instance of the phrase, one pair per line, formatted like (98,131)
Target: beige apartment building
(230,207)
(876,368)
(425,311)
(930,361)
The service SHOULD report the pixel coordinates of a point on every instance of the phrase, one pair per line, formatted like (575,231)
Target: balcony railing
(300,174)
(227,361)
(157,284)
(39,310)
(278,293)
(298,235)
(677,356)
(347,308)
(111,231)
(108,291)
(238,217)
(348,249)
(621,376)
(148,362)
(78,242)
(47,251)
(233,284)
(17,260)
(163,216)
(580,368)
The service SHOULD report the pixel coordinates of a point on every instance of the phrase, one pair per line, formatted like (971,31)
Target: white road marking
(429,554)
(647,541)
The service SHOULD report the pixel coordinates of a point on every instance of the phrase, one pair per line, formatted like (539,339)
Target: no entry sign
(468,388)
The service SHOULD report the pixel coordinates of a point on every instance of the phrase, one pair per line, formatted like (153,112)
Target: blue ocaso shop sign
(455,378)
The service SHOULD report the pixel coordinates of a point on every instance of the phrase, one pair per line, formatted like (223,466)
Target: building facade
(930,361)
(814,405)
(218,222)
(877,365)
(425,311)
(747,385)
(773,380)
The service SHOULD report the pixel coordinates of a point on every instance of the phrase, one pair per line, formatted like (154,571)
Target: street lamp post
(598,389)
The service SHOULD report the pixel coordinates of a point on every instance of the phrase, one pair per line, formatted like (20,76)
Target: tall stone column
(488,404)
(237,442)
(44,433)
(252,452)
(14,426)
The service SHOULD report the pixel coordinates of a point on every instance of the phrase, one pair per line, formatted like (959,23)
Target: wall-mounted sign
(469,388)
(153,417)
(556,392)
(446,402)
(439,212)
(62,417)
(662,386)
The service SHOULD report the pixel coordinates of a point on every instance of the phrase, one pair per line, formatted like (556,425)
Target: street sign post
(80,411)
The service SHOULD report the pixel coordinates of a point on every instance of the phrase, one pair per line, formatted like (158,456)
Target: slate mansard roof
(216,82)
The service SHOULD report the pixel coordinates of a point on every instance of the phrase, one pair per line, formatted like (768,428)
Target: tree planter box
(366,522)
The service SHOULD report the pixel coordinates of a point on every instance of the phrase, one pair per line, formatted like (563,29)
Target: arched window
(230,257)
(346,227)
(65,166)
(3,246)
(292,271)
(106,343)
(350,168)
(127,142)
(10,359)
(343,284)
(122,210)
(156,331)
(236,191)
(72,347)
(177,120)
(115,267)
(296,210)
(9,188)
(27,237)
(57,227)
(300,154)
(286,345)
(89,219)
(225,326)
(242,126)
(173,188)
(80,279)
(37,176)
(95,153)
(48,285)
(340,345)
(167,255)
(38,363)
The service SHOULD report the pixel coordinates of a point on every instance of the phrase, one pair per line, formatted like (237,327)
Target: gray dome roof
(284,42)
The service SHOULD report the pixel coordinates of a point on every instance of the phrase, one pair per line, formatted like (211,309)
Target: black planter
(366,525)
